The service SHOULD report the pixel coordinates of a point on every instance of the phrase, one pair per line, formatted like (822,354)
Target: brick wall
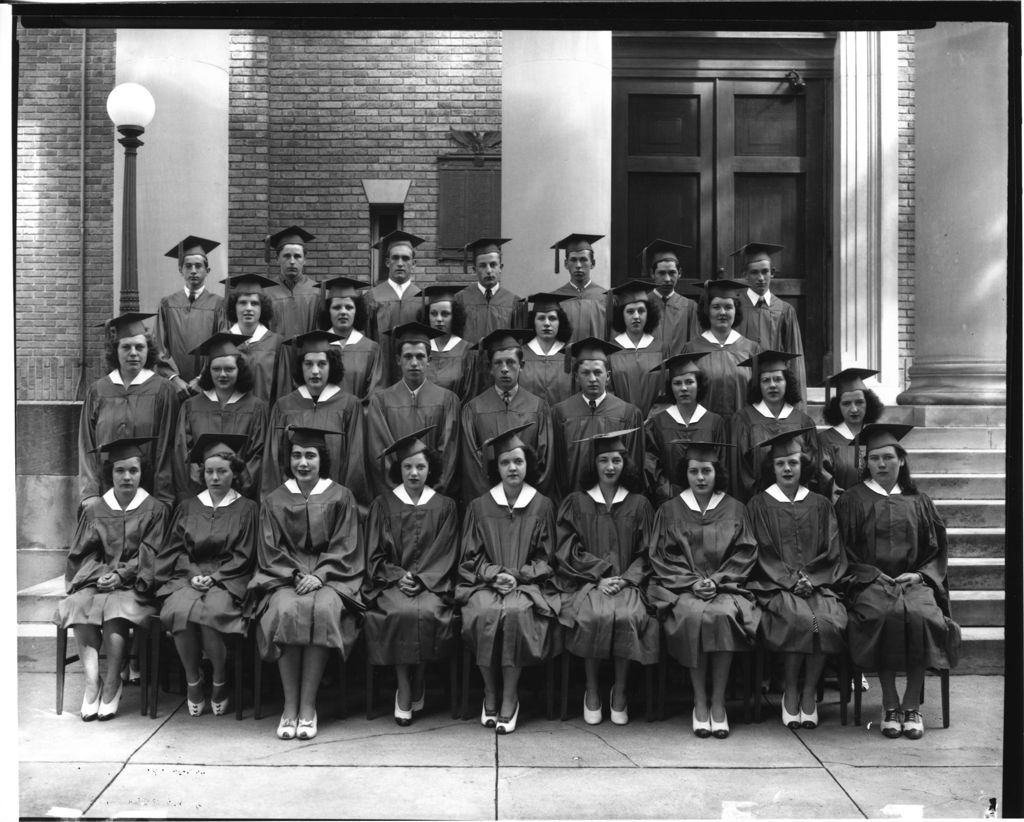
(49,257)
(906,198)
(314,113)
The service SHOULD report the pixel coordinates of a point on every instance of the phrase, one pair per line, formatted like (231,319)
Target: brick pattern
(906,161)
(314,113)
(48,165)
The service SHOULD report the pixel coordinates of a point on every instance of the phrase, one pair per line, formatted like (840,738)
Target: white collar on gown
(762,409)
(329,391)
(141,377)
(596,495)
(779,495)
(878,489)
(425,496)
(734,335)
(690,500)
(140,497)
(322,485)
(526,496)
(229,497)
(698,413)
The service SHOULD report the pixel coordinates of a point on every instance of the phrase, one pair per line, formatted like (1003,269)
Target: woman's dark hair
(564,333)
(806,472)
(433,468)
(236,465)
(266,306)
(531,467)
(458,316)
(702,386)
(335,368)
(704,310)
(903,478)
(721,475)
(791,395)
(145,478)
(630,478)
(323,317)
(111,352)
(325,461)
(243,385)
(653,316)
(873,407)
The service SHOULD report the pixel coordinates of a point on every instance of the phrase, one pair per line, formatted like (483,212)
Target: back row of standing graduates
(657,337)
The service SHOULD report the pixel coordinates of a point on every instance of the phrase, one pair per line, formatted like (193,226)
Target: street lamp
(131,107)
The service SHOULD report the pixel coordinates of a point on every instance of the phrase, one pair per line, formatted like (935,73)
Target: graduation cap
(221,344)
(769,361)
(609,440)
(508,439)
(124,448)
(788,442)
(849,379)
(680,363)
(127,325)
(503,338)
(191,245)
(701,451)
(337,287)
(485,245)
(634,291)
(546,301)
(248,283)
(575,242)
(313,342)
(654,253)
(755,251)
(407,446)
(720,288)
(293,235)
(879,434)
(307,437)
(440,293)
(413,332)
(592,348)
(395,238)
(206,445)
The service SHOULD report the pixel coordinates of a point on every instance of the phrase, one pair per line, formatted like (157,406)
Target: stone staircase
(957,455)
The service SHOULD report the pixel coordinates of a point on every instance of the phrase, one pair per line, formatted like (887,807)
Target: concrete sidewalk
(214,767)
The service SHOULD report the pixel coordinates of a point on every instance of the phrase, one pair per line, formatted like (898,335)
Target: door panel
(666,205)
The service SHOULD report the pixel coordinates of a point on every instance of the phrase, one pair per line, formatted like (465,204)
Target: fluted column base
(959,383)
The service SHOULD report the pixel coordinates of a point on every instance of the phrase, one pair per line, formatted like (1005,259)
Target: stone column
(866,197)
(961,218)
(182,172)
(556,150)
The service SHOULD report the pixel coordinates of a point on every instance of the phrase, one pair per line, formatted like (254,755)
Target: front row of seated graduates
(603,575)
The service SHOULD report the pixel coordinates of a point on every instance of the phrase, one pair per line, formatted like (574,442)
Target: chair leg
(565,686)
(467,663)
(453,682)
(62,654)
(746,675)
(369,688)
(143,634)
(238,647)
(549,671)
(662,677)
(257,685)
(856,674)
(152,685)
(944,674)
(342,670)
(844,688)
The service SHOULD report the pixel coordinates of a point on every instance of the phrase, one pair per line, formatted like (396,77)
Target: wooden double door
(718,161)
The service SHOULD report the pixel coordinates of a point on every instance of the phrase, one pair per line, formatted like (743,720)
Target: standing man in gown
(395,301)
(661,259)
(296,298)
(188,316)
(488,304)
(767,320)
(584,302)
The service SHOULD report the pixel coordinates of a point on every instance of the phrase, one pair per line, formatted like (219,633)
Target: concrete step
(978,608)
(956,437)
(976,542)
(935,416)
(38,602)
(982,651)
(956,461)
(37,565)
(974,513)
(962,486)
(977,574)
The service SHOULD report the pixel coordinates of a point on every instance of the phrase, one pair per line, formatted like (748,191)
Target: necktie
(191,297)
(488,294)
(507,397)
(593,405)
(761,303)
(665,299)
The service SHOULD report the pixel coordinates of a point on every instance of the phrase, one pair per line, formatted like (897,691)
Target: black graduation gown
(663,461)
(182,326)
(727,380)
